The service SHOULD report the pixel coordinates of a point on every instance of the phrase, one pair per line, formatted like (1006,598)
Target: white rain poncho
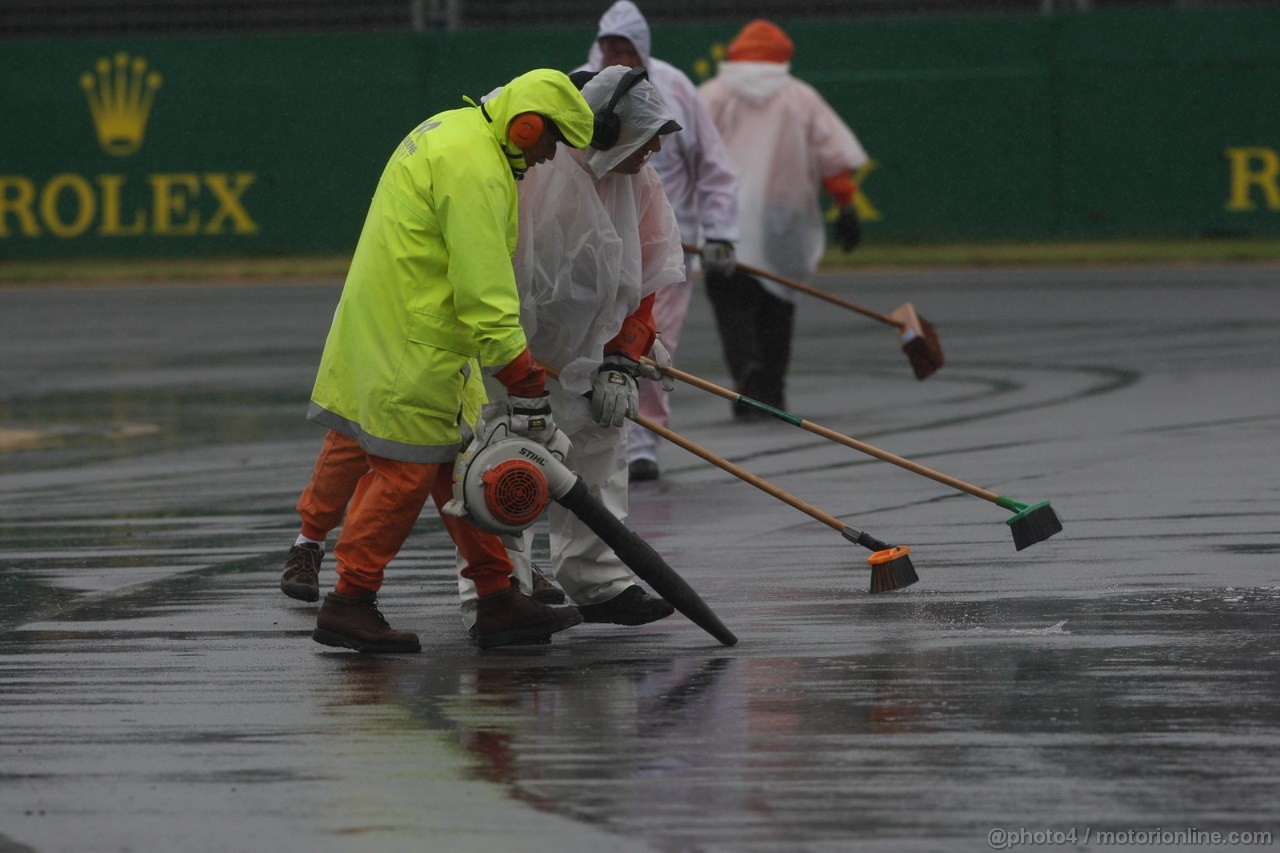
(641,112)
(592,243)
(695,170)
(783,139)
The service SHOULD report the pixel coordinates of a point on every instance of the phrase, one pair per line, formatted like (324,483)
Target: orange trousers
(381,499)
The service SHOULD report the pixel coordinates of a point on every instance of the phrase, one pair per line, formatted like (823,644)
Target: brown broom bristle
(919,341)
(922,363)
(891,569)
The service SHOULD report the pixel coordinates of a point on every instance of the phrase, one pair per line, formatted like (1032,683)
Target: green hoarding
(198,146)
(1094,125)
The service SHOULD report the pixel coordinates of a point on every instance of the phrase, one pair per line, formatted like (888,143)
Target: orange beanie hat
(761,41)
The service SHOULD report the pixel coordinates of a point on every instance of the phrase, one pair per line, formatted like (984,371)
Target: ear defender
(526,129)
(608,127)
(607,130)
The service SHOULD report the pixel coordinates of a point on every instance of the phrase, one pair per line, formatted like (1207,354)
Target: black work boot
(510,617)
(641,470)
(301,578)
(632,606)
(354,622)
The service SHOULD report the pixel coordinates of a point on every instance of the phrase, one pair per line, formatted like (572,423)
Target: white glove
(613,391)
(531,418)
(662,360)
(718,257)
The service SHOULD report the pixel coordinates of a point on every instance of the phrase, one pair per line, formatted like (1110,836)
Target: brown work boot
(301,578)
(353,622)
(544,590)
(510,617)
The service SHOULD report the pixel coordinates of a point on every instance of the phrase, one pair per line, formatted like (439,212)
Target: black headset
(608,127)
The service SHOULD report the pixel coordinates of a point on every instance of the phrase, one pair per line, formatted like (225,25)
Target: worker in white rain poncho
(597,239)
(787,145)
(700,184)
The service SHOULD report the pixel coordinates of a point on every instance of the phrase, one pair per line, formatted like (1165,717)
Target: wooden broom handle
(741,473)
(724,464)
(812,291)
(840,437)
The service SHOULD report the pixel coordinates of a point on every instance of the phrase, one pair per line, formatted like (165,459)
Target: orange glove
(523,376)
(637,333)
(841,188)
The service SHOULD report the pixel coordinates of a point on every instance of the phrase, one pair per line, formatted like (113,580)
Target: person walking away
(787,145)
(701,186)
(429,301)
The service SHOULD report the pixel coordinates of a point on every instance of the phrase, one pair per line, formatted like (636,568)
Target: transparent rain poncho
(783,139)
(592,243)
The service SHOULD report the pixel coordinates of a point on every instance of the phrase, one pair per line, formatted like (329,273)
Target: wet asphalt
(158,692)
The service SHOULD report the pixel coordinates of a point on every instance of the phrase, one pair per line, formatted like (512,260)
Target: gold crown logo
(120,91)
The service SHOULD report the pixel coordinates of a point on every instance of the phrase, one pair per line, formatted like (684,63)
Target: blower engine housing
(503,483)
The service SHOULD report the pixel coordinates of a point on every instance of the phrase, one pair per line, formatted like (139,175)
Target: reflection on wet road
(158,692)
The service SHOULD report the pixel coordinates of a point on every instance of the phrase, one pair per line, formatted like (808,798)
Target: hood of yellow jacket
(549,93)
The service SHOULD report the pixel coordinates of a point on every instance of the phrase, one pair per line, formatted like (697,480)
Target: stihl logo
(529,454)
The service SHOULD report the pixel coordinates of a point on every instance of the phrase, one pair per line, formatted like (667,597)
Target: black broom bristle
(892,569)
(1034,524)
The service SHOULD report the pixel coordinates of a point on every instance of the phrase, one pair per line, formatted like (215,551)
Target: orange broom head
(891,569)
(919,340)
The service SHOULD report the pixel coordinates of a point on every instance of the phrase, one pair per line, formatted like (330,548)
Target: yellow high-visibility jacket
(431,294)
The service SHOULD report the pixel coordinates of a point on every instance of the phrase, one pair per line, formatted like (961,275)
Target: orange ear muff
(526,129)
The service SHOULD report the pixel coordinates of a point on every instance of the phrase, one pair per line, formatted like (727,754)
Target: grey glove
(613,391)
(661,361)
(718,257)
(531,418)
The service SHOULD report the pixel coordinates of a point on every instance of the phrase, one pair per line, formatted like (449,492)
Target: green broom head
(1031,523)
(891,569)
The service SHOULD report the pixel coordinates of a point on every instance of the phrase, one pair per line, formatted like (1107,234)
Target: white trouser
(584,566)
(670,307)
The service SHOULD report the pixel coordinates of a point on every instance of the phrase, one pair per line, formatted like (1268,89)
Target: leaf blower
(502,483)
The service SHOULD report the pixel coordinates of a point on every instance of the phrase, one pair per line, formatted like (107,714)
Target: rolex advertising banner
(1034,127)
(188,147)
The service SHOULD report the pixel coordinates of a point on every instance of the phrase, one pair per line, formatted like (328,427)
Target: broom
(1030,523)
(917,335)
(891,566)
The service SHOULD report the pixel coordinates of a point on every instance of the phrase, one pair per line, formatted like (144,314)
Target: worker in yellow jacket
(430,299)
